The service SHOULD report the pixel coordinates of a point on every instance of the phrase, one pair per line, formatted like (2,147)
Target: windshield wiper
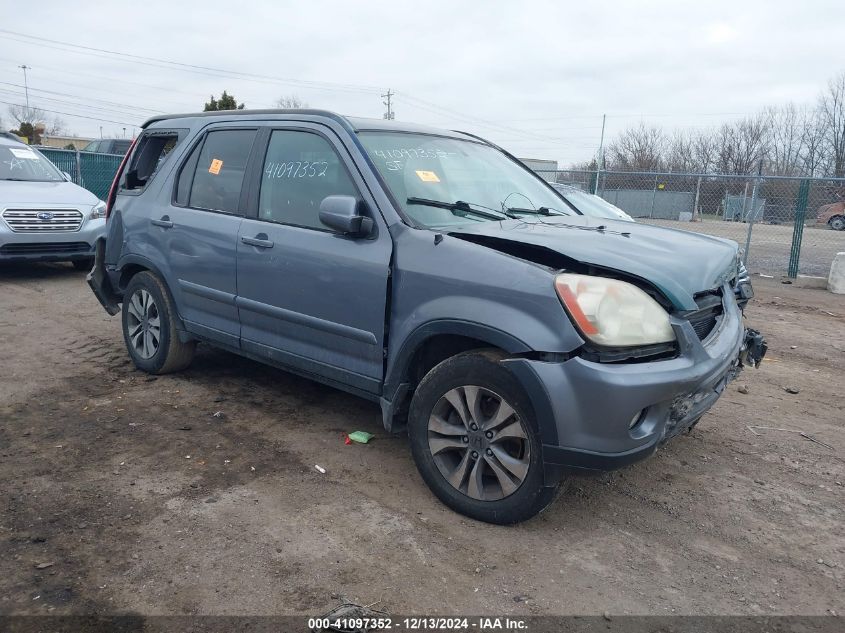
(461,208)
(539,211)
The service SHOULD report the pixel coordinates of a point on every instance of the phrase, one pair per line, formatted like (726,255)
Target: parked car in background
(833,215)
(590,204)
(431,272)
(109,146)
(45,217)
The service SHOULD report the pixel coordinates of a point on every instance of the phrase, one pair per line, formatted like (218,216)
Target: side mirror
(67,176)
(345,214)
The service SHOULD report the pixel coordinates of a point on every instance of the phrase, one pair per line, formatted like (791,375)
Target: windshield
(19,162)
(420,168)
(592,205)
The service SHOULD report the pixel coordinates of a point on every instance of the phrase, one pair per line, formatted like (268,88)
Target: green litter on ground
(362,437)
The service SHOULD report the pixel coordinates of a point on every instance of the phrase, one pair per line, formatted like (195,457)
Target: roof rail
(228,113)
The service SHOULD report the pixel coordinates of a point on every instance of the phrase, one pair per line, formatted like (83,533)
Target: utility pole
(24,67)
(390,114)
(600,161)
(101,131)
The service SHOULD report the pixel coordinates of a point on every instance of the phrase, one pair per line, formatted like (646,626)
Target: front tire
(149,327)
(837,223)
(475,440)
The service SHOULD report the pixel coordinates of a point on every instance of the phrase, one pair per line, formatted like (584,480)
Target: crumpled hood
(678,263)
(53,194)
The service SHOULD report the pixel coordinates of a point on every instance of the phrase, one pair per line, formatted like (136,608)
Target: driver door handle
(259,240)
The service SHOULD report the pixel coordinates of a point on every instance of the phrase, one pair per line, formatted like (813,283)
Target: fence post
(653,196)
(798,230)
(695,213)
(78,168)
(753,214)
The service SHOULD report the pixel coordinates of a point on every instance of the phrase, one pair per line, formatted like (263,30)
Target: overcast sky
(533,76)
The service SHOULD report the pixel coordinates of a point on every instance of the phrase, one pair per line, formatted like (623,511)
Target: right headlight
(613,313)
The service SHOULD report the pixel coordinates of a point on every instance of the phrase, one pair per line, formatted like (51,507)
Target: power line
(86,99)
(216,72)
(78,116)
(74,104)
(205,70)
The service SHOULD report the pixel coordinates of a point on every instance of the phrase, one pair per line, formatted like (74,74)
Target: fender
(396,389)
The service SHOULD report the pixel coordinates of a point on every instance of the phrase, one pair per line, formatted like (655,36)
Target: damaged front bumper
(602,416)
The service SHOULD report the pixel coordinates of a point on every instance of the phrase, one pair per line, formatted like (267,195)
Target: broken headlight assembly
(613,313)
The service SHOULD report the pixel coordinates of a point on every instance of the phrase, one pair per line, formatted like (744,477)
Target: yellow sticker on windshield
(216,166)
(427,176)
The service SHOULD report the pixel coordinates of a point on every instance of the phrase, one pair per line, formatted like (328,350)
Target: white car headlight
(613,313)
(99,210)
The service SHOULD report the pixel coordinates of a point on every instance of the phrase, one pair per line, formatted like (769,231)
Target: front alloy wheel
(478,443)
(475,439)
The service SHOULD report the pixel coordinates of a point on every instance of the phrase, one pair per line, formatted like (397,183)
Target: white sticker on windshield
(23,153)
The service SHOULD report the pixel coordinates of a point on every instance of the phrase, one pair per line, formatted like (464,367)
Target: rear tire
(837,222)
(83,264)
(149,327)
(482,455)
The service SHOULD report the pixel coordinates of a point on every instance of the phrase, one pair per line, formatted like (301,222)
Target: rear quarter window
(151,152)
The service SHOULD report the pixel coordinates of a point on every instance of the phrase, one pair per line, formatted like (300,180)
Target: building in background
(545,168)
(62,142)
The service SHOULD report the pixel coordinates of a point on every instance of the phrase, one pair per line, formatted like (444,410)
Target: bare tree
(706,151)
(832,109)
(22,114)
(680,153)
(56,127)
(638,148)
(814,160)
(784,139)
(291,102)
(741,145)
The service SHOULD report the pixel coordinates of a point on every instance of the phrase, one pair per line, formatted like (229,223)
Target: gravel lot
(196,493)
(771,244)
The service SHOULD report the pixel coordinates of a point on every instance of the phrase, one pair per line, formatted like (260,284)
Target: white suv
(44,217)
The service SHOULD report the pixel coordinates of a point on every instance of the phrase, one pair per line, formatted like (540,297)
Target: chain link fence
(788,225)
(90,170)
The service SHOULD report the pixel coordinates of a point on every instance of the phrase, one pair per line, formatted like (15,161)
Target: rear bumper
(99,282)
(603,416)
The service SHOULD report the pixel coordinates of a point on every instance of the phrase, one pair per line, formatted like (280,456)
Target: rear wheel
(475,440)
(837,223)
(149,327)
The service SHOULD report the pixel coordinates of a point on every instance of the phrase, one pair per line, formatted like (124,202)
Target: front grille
(707,316)
(46,248)
(51,220)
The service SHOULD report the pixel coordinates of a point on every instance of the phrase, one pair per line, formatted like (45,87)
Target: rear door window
(217,175)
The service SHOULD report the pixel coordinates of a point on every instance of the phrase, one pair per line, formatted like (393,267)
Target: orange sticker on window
(216,166)
(427,176)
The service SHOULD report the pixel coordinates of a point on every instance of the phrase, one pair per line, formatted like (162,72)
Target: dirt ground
(196,493)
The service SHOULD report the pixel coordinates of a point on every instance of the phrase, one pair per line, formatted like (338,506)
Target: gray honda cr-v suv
(430,271)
